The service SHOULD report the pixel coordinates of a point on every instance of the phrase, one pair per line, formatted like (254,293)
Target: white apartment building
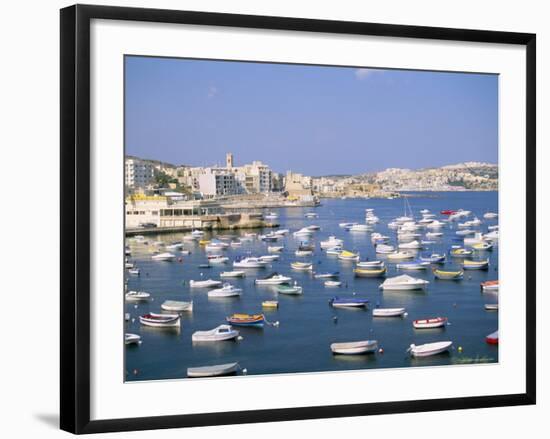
(217,182)
(138,174)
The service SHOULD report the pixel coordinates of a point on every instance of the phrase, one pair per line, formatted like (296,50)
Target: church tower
(229,160)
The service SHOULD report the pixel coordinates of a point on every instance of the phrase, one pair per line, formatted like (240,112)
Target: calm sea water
(307,323)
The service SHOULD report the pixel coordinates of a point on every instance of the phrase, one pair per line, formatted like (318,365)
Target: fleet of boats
(411,237)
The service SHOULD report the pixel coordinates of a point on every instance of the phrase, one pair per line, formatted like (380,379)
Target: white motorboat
(428,349)
(234,273)
(413,265)
(213,371)
(402,255)
(436,224)
(346,225)
(250,262)
(164,257)
(273,279)
(220,333)
(384,249)
(415,245)
(332,283)
(209,283)
(388,312)
(227,290)
(431,235)
(160,320)
(304,232)
(217,259)
(313,227)
(174,246)
(301,266)
(132,338)
(472,240)
(269,258)
(403,282)
(360,228)
(490,215)
(275,248)
(177,306)
(137,296)
(216,246)
(354,347)
(332,241)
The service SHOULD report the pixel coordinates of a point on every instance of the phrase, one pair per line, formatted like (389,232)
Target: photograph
(294,218)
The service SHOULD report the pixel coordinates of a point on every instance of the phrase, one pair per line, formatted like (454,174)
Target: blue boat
(351,302)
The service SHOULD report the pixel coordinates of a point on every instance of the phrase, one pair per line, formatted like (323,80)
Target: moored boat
(492,338)
(354,347)
(348,256)
(302,266)
(448,275)
(370,272)
(489,285)
(164,257)
(220,333)
(413,265)
(436,322)
(130,338)
(332,241)
(177,306)
(348,302)
(403,283)
(326,275)
(476,265)
(209,283)
(275,248)
(136,296)
(460,252)
(290,289)
(429,349)
(491,306)
(213,371)
(250,262)
(233,273)
(401,255)
(388,312)
(332,283)
(270,304)
(160,320)
(273,279)
(434,258)
(257,320)
(227,290)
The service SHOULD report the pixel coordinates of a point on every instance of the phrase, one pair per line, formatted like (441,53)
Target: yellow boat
(460,252)
(270,304)
(361,272)
(449,275)
(348,256)
(204,242)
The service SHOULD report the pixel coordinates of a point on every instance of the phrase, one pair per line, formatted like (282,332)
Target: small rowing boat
(270,304)
(293,290)
(332,283)
(302,266)
(492,338)
(177,306)
(348,302)
(429,349)
(489,285)
(460,252)
(209,283)
(256,320)
(436,322)
(160,320)
(213,371)
(448,275)
(131,338)
(367,272)
(476,265)
(136,296)
(348,256)
(388,312)
(404,282)
(354,347)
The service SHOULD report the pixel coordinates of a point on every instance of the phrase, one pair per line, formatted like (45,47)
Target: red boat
(448,212)
(436,322)
(492,338)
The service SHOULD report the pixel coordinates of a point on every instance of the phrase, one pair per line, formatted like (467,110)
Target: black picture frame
(75,217)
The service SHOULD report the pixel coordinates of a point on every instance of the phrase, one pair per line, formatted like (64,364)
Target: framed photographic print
(257,207)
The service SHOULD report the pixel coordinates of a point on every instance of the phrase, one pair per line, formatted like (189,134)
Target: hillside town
(165,195)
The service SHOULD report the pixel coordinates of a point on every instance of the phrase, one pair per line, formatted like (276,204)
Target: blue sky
(311,119)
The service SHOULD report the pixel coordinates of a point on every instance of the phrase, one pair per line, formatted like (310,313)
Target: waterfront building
(217,182)
(138,173)
(298,186)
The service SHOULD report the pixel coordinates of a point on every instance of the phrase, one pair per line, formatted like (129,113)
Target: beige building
(298,185)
